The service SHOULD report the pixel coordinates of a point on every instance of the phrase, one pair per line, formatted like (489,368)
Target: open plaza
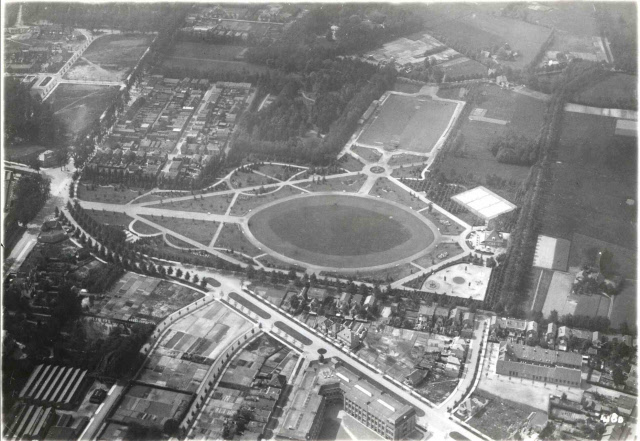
(461,280)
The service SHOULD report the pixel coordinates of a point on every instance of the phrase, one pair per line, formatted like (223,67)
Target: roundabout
(340,231)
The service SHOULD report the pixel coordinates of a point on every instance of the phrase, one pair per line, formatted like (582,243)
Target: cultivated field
(200,231)
(77,106)
(110,58)
(593,175)
(150,406)
(415,124)
(135,296)
(340,231)
(183,356)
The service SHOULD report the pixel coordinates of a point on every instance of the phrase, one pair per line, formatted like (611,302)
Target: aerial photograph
(319,221)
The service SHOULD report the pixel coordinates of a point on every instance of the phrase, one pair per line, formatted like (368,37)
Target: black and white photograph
(331,221)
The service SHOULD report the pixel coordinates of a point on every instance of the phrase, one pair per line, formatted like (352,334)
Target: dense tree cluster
(27,118)
(512,148)
(124,16)
(101,278)
(360,28)
(618,23)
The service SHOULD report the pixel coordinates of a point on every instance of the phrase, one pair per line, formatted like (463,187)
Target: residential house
(552,332)
(349,338)
(493,238)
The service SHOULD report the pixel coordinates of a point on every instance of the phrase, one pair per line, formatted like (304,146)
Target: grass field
(445,224)
(77,105)
(339,231)
(411,171)
(110,218)
(245,203)
(232,238)
(272,262)
(200,231)
(216,204)
(416,123)
(350,163)
(205,57)
(593,175)
(618,91)
(406,87)
(349,184)
(110,58)
(107,194)
(370,155)
(452,249)
(404,159)
(625,305)
(467,67)
(624,259)
(499,416)
(386,189)
(483,31)
(143,228)
(574,17)
(477,163)
(152,197)
(242,179)
(177,242)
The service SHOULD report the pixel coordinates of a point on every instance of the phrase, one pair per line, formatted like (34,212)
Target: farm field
(107,194)
(574,17)
(205,58)
(143,298)
(384,188)
(477,164)
(593,175)
(336,231)
(183,356)
(232,238)
(150,406)
(404,120)
(617,91)
(216,204)
(110,58)
(77,106)
(200,231)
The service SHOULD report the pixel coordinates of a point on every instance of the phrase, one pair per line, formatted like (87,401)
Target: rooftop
(484,203)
